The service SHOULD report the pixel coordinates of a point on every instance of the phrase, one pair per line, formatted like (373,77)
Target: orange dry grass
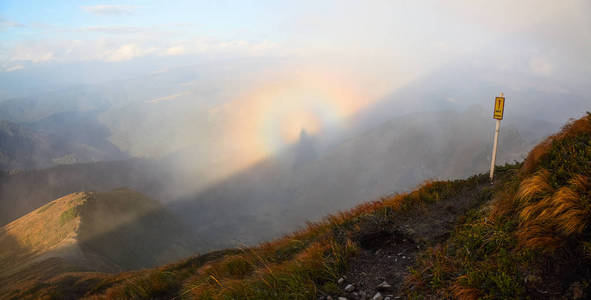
(271,276)
(549,216)
(544,224)
(539,236)
(581,183)
(534,156)
(537,210)
(395,202)
(363,209)
(464,292)
(504,203)
(310,232)
(576,127)
(573,128)
(534,187)
(568,212)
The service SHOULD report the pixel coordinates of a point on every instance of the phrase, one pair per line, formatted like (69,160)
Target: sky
(409,36)
(318,62)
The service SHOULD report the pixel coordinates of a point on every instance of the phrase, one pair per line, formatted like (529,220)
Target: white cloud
(175,50)
(247,47)
(12,68)
(110,9)
(114,29)
(125,52)
(264,46)
(32,55)
(114,48)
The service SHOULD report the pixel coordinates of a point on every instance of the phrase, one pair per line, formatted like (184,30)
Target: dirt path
(386,254)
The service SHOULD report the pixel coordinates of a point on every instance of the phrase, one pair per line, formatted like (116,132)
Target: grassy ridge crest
(532,241)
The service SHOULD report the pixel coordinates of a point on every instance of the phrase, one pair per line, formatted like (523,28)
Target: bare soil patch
(387,252)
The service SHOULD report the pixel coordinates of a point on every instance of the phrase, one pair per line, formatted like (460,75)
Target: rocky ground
(378,271)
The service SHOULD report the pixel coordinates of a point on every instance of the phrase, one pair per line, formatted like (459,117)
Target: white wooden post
(495,143)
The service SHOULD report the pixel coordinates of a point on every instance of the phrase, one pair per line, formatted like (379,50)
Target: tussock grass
(576,128)
(532,242)
(534,187)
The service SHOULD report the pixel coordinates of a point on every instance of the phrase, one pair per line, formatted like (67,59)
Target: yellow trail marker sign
(499,108)
(498,114)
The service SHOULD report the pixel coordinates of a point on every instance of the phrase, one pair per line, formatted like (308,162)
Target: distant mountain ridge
(93,231)
(61,139)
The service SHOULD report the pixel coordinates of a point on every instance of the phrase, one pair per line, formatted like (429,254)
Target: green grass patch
(69,215)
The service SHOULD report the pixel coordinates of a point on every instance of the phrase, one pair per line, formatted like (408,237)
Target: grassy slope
(133,231)
(89,231)
(529,239)
(533,241)
(39,231)
(303,265)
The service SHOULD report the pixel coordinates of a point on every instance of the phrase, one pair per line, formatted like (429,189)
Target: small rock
(341,280)
(377,296)
(349,288)
(403,257)
(342,298)
(384,286)
(362,295)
